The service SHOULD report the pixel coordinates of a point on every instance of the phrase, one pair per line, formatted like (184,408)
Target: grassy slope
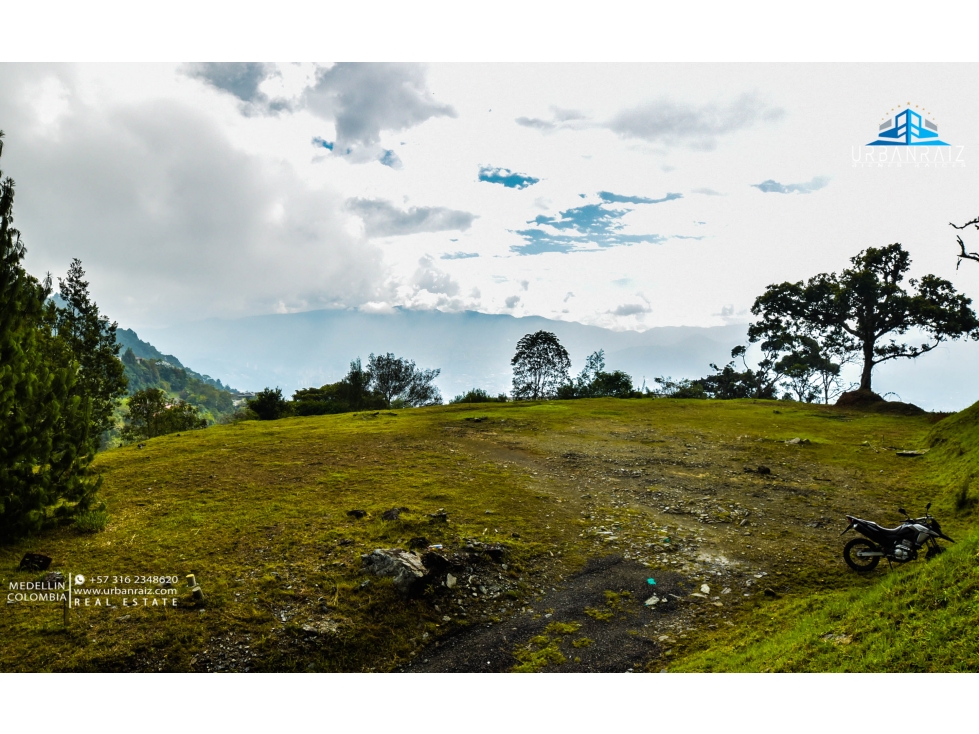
(257,510)
(921,617)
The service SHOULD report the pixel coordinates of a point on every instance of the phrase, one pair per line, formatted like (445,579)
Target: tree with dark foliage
(594,382)
(866,303)
(398,379)
(269,405)
(46,441)
(540,366)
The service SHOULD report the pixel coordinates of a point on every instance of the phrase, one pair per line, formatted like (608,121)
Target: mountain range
(312,348)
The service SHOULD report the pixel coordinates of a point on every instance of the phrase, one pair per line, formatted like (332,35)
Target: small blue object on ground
(651,582)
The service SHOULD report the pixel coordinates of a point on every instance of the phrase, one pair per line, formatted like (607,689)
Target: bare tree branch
(963,254)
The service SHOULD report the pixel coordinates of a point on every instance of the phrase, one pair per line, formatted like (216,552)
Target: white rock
(704,589)
(450,580)
(652,601)
(726,590)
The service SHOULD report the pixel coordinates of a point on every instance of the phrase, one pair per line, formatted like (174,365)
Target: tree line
(387,382)
(807,332)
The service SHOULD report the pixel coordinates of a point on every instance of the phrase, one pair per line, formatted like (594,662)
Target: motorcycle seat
(881,529)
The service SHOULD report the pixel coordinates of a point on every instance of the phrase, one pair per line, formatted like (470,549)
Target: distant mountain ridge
(472,349)
(128,339)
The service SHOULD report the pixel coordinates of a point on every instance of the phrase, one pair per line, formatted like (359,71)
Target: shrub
(478,395)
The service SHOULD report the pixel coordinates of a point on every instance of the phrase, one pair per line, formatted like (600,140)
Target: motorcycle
(900,544)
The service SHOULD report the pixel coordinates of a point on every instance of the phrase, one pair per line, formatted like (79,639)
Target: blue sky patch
(581,228)
(506,177)
(320,143)
(611,198)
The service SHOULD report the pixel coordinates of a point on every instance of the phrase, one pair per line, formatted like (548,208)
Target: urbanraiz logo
(908,127)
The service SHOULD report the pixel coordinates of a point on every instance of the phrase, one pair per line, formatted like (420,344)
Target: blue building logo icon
(908,128)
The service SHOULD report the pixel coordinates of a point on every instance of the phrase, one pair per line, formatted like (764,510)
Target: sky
(619,195)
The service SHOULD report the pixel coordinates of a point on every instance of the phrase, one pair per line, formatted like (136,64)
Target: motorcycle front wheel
(864,564)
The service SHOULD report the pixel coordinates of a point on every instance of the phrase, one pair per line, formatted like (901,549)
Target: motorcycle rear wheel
(861,565)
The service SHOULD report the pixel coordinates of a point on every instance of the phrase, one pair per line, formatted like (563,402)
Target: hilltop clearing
(555,516)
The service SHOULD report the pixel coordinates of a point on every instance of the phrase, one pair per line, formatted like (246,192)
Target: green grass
(258,512)
(923,617)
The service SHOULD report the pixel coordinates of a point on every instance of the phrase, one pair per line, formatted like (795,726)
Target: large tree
(45,439)
(399,379)
(865,310)
(540,366)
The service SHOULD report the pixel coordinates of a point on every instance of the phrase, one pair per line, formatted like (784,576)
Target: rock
(652,601)
(357,514)
(404,568)
(392,514)
(344,541)
(726,590)
(417,542)
(749,470)
(140,445)
(450,580)
(743,522)
(440,516)
(35,562)
(770,594)
(704,589)
(435,563)
(763,470)
(798,441)
(912,453)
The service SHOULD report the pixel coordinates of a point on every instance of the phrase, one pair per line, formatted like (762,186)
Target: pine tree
(92,341)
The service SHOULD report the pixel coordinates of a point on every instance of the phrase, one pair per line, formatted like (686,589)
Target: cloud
(774,187)
(431,279)
(699,127)
(458,255)
(562,119)
(611,198)
(589,226)
(506,177)
(535,122)
(525,285)
(242,80)
(707,192)
(569,295)
(631,309)
(364,100)
(170,219)
(512,301)
(383,219)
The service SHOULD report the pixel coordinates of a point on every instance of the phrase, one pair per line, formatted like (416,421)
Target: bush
(478,395)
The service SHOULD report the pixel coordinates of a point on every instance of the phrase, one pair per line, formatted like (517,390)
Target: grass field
(258,512)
